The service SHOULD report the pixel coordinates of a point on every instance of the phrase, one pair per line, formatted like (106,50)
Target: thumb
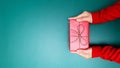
(75,52)
(82,19)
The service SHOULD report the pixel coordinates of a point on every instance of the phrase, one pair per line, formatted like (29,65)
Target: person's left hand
(85,53)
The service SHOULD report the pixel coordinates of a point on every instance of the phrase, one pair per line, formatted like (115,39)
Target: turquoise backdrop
(34,33)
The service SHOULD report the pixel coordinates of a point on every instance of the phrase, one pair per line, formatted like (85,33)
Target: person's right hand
(85,16)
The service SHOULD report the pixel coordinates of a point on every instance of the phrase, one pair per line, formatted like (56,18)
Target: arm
(108,14)
(107,53)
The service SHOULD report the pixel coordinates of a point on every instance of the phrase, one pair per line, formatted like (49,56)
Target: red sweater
(107,14)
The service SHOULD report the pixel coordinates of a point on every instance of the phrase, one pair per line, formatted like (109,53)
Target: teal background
(34,33)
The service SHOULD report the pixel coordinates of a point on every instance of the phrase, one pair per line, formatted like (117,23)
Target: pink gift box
(78,35)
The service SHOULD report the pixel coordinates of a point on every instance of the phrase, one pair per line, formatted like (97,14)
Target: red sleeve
(107,14)
(107,53)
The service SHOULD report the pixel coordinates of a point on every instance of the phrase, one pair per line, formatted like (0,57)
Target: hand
(85,53)
(85,16)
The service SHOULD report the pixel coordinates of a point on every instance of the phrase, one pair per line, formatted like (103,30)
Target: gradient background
(34,33)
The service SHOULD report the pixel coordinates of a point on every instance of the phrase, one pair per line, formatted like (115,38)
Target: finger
(82,19)
(82,14)
(72,18)
(74,52)
(79,52)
